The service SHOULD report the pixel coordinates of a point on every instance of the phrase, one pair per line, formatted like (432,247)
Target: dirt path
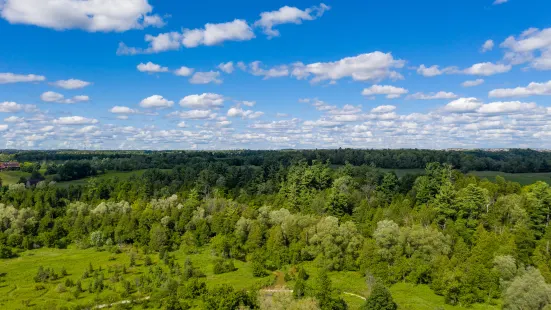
(272,291)
(122,302)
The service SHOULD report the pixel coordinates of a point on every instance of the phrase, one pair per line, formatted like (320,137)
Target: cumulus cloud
(90,15)
(505,107)
(156,102)
(71,84)
(194,114)
(288,15)
(391,92)
(213,34)
(487,69)
(383,109)
(3,127)
(10,107)
(184,71)
(226,67)
(203,101)
(463,105)
(435,70)
(245,114)
(14,119)
(7,78)
(278,71)
(533,89)
(206,78)
(533,45)
(122,110)
(374,66)
(151,68)
(75,120)
(433,96)
(472,83)
(487,46)
(51,96)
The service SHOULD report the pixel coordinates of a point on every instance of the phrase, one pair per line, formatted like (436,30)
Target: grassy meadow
(18,290)
(12,177)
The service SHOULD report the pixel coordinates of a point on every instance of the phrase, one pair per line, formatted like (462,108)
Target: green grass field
(18,289)
(12,177)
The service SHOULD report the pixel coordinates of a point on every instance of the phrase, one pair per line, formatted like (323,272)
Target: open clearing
(18,289)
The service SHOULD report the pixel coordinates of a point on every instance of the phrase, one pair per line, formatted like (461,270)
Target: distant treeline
(513,161)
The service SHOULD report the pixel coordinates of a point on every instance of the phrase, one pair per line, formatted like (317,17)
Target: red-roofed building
(12,165)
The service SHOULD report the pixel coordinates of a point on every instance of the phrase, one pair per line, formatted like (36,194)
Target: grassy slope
(18,284)
(11,177)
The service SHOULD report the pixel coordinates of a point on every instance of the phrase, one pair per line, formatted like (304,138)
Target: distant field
(12,177)
(522,178)
(110,174)
(17,286)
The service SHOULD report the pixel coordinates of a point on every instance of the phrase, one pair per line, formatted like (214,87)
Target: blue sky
(139,74)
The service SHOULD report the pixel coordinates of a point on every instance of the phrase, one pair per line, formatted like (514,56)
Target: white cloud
(122,110)
(3,127)
(213,34)
(383,109)
(279,71)
(374,66)
(435,70)
(391,92)
(527,45)
(322,123)
(75,120)
(226,67)
(156,101)
(245,114)
(47,128)
(488,46)
(506,107)
(182,124)
(463,105)
(206,78)
(248,103)
(288,15)
(10,107)
(203,102)
(184,71)
(51,96)
(472,83)
(496,2)
(430,71)
(533,89)
(7,78)
(151,68)
(13,119)
(194,114)
(90,15)
(71,84)
(433,96)
(487,69)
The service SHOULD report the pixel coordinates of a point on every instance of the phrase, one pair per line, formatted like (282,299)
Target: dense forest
(470,240)
(511,161)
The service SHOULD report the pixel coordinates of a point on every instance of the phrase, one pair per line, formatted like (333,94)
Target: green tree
(380,299)
(528,291)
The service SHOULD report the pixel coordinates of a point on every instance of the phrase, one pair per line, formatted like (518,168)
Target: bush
(258,270)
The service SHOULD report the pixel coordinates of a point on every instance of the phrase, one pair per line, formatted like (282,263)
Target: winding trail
(122,302)
(271,291)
